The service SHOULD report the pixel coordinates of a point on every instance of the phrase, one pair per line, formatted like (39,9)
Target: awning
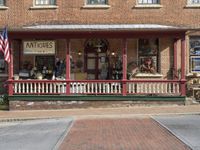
(104,27)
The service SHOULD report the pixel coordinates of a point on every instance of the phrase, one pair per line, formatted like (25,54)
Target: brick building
(76,49)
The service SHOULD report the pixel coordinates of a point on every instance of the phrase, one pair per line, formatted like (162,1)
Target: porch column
(183,80)
(124,54)
(175,75)
(68,67)
(10,70)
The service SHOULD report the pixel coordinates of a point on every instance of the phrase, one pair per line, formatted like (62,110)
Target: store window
(148,55)
(45,2)
(148,1)
(97,2)
(194,1)
(2,2)
(195,54)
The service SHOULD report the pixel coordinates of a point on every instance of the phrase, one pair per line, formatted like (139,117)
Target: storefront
(90,60)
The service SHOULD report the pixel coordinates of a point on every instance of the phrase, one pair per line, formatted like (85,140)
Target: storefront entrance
(97,61)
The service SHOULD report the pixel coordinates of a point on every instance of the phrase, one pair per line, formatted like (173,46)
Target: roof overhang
(104,27)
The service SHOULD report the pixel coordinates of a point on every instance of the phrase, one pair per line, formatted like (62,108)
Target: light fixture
(113,53)
(98,49)
(79,53)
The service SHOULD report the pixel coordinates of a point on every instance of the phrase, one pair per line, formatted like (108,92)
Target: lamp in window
(113,53)
(79,53)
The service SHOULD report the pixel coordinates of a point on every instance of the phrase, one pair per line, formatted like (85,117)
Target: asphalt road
(185,127)
(45,134)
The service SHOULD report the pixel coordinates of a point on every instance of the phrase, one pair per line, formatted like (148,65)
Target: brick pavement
(122,112)
(120,134)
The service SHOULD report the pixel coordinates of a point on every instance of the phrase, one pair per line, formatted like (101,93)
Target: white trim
(45,7)
(148,6)
(96,6)
(192,6)
(3,7)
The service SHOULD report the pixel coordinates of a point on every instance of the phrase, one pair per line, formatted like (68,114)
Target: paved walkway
(126,128)
(122,112)
(120,134)
(185,127)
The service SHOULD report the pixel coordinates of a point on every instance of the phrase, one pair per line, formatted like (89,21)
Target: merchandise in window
(45,2)
(195,54)
(2,3)
(148,55)
(148,2)
(97,2)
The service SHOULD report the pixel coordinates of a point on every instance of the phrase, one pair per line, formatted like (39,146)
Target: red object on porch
(175,75)
(68,66)
(124,53)
(183,80)
(10,72)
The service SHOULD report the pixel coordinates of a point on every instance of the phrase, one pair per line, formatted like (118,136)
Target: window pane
(45,2)
(195,54)
(148,1)
(96,2)
(1,2)
(148,55)
(195,1)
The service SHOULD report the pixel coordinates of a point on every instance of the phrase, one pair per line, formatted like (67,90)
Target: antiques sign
(39,47)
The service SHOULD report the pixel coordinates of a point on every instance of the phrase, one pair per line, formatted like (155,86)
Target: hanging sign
(39,47)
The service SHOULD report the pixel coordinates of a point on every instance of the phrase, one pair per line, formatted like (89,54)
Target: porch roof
(104,27)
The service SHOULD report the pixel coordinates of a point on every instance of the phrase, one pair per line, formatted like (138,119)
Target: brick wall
(172,12)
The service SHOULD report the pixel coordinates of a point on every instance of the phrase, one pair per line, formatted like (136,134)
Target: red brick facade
(171,12)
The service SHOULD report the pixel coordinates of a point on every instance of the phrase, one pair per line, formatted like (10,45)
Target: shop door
(95,61)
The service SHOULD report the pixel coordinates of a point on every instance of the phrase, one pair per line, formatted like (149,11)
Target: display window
(195,54)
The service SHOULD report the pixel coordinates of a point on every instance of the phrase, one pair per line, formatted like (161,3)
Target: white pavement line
(179,137)
(62,137)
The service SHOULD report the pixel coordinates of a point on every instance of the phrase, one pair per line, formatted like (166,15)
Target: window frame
(35,3)
(44,6)
(143,56)
(147,2)
(106,3)
(192,54)
(148,5)
(96,6)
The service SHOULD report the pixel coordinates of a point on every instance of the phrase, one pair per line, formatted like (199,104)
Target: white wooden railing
(170,88)
(96,87)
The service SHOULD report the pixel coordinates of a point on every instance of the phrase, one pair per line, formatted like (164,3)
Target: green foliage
(4,99)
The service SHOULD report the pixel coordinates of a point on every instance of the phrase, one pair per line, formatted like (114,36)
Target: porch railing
(96,87)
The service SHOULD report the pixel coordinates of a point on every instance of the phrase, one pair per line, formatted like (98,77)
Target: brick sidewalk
(123,112)
(120,134)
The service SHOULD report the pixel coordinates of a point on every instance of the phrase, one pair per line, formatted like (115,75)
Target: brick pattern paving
(120,134)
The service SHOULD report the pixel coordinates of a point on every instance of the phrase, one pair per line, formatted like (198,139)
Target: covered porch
(90,55)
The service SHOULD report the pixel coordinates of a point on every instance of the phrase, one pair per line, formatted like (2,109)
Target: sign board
(39,47)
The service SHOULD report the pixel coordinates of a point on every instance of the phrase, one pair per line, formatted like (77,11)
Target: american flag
(4,45)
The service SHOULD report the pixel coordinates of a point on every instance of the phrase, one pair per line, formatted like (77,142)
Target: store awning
(104,27)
